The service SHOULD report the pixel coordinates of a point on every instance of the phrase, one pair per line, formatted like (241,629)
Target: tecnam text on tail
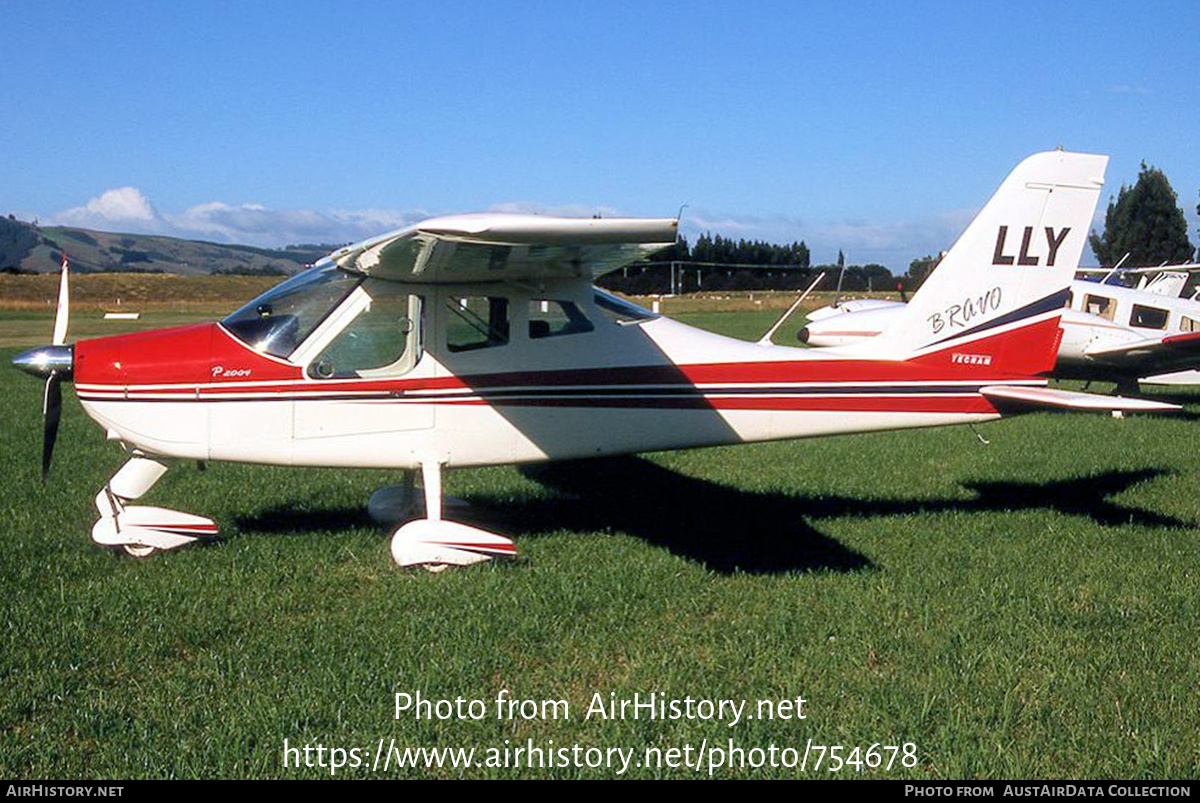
(479,340)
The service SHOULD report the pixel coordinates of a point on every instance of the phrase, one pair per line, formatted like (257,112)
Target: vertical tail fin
(996,297)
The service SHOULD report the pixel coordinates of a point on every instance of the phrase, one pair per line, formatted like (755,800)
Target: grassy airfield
(1024,608)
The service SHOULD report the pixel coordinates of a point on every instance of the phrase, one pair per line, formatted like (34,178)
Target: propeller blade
(52,410)
(64,306)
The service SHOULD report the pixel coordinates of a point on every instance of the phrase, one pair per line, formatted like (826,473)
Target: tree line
(716,263)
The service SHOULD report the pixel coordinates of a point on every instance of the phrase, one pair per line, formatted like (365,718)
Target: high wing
(506,247)
(1186,267)
(1152,355)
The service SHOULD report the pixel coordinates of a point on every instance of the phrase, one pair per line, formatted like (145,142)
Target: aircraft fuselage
(546,374)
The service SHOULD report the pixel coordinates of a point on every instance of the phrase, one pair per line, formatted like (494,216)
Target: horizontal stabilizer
(1071,400)
(1152,355)
(1173,378)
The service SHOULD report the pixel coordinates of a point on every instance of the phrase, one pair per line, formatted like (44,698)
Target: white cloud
(123,206)
(561,210)
(701,222)
(126,209)
(376,221)
(257,225)
(1129,89)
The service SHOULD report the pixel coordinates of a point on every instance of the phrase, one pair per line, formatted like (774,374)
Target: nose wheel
(142,531)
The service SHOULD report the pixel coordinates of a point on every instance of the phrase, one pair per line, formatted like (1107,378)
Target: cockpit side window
(1100,306)
(476,322)
(279,320)
(382,339)
(554,317)
(1148,317)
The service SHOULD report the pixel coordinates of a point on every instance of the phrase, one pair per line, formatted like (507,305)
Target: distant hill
(27,248)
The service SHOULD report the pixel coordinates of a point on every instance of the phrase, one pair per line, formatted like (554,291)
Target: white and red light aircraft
(479,340)
(1110,332)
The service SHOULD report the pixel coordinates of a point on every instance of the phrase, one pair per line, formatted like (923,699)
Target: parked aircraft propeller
(54,363)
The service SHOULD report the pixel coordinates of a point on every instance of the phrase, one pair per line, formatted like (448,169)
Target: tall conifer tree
(1144,221)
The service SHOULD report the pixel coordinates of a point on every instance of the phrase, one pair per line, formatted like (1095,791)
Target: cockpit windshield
(280,319)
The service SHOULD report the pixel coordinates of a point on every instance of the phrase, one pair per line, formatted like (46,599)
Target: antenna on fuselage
(765,340)
(1115,268)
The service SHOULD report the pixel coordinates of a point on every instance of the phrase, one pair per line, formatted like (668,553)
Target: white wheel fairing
(439,542)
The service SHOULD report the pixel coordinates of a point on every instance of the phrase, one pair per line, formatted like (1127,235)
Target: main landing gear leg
(435,543)
(142,531)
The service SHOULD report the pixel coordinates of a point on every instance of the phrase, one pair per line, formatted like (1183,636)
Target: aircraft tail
(995,299)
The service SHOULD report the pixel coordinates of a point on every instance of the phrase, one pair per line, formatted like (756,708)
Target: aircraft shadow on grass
(729,529)
(287,519)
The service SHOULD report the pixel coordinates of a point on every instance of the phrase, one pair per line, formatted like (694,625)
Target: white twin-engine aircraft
(1110,333)
(479,340)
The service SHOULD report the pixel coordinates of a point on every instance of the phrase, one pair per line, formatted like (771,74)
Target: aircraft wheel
(436,568)
(140,550)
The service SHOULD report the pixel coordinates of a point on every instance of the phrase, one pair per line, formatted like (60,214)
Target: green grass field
(1025,608)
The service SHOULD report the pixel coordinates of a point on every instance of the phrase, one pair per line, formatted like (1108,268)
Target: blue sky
(875,128)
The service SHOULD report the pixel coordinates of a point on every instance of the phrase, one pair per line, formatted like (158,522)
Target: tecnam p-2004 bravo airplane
(479,340)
